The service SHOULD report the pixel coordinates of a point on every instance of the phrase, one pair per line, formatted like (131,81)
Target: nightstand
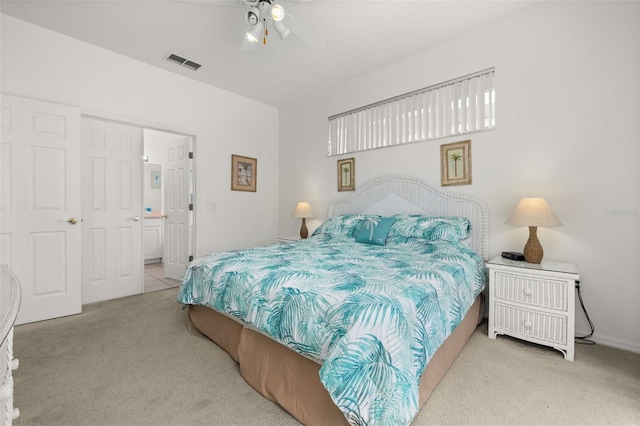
(533,302)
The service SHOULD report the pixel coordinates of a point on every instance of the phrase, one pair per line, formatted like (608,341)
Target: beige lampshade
(303,210)
(533,212)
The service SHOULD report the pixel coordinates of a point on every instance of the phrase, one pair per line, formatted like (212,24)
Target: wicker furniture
(9,304)
(388,195)
(533,302)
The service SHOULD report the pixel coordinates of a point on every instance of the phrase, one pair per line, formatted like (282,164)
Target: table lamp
(533,212)
(303,211)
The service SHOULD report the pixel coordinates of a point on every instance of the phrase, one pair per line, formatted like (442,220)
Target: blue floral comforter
(372,315)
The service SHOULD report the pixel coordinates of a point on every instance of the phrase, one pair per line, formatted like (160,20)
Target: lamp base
(533,249)
(304,232)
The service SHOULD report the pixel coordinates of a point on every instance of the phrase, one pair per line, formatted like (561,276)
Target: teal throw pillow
(374,230)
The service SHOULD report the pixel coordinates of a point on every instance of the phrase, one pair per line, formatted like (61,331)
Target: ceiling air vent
(183,62)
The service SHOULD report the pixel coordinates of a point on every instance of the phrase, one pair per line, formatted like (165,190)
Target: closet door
(112,254)
(40,231)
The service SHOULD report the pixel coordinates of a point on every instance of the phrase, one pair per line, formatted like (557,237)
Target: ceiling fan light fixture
(282,29)
(255,31)
(277,13)
(253,16)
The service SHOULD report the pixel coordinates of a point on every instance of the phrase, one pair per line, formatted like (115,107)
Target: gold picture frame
(347,174)
(244,173)
(456,163)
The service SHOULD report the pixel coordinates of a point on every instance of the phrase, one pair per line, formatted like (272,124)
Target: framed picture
(244,173)
(456,163)
(155,179)
(347,174)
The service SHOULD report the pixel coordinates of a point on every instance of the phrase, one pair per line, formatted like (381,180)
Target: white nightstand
(533,302)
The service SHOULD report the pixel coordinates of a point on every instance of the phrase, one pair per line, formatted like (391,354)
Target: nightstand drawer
(538,325)
(529,290)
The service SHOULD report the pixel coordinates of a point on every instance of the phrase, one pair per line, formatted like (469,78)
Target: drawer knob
(528,291)
(527,324)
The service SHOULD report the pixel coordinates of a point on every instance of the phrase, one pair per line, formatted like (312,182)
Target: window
(455,107)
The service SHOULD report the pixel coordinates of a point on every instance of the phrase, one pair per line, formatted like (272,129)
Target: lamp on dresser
(533,212)
(303,211)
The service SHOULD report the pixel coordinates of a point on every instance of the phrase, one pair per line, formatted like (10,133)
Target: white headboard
(399,194)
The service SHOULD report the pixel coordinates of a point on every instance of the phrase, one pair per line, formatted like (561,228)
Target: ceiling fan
(265,14)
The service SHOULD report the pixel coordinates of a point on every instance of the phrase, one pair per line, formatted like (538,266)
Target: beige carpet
(132,361)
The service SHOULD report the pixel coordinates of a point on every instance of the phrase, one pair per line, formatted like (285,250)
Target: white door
(112,257)
(176,208)
(40,232)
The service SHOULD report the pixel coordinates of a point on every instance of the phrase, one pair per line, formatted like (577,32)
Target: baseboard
(614,343)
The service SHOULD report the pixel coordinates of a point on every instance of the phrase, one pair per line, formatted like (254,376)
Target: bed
(358,323)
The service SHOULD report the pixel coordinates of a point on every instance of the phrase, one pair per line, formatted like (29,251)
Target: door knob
(72,220)
(135,218)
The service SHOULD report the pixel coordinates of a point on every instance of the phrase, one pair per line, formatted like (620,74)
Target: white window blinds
(455,107)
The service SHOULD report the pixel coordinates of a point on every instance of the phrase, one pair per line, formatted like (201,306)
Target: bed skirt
(291,380)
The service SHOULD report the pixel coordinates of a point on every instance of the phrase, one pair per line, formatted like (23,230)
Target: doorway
(168,192)
(70,215)
(134,211)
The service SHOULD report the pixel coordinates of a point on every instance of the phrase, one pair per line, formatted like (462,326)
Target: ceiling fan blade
(307,35)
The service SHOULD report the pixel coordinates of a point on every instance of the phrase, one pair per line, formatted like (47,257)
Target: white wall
(45,65)
(156,144)
(567,81)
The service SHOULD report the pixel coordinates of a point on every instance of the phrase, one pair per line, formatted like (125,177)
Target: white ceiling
(362,35)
